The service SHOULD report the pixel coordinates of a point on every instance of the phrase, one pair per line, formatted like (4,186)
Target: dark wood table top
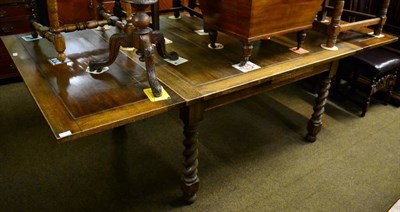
(74,101)
(209,73)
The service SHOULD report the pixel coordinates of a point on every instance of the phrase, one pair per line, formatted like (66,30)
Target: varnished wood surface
(74,100)
(209,73)
(256,19)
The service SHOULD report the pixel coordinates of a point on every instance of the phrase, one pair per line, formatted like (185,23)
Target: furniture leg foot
(315,124)
(212,34)
(301,36)
(116,41)
(158,38)
(189,191)
(247,48)
(147,49)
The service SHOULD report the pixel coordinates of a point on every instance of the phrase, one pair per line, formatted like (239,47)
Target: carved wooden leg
(116,41)
(301,36)
(315,123)
(158,38)
(191,116)
(382,14)
(148,53)
(334,27)
(247,48)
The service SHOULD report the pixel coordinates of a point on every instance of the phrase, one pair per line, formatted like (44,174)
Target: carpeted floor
(252,158)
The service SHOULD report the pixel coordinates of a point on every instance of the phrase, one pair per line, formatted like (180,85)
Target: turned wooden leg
(247,48)
(117,9)
(158,38)
(212,34)
(301,36)
(176,4)
(192,5)
(59,42)
(155,16)
(382,14)
(33,17)
(334,27)
(191,116)
(315,123)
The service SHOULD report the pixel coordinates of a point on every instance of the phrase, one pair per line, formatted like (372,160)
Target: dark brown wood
(315,123)
(141,38)
(250,20)
(336,25)
(74,100)
(13,20)
(191,116)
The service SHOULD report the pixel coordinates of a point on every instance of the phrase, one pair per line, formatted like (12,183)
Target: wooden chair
(136,33)
(334,25)
(371,71)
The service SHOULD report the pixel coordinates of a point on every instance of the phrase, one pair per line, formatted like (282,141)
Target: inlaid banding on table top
(82,93)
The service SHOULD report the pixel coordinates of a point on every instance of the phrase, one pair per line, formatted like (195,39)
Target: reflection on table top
(74,101)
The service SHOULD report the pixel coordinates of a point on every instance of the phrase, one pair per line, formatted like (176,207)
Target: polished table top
(76,103)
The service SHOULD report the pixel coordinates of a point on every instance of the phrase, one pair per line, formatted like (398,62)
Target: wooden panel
(254,20)
(13,19)
(76,101)
(73,11)
(196,77)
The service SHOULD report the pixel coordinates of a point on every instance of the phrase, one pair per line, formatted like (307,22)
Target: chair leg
(367,101)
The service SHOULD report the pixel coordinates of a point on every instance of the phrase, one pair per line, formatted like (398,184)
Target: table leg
(191,116)
(315,123)
(334,26)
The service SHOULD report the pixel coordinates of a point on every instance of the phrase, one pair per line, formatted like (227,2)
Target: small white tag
(103,28)
(179,61)
(65,134)
(173,17)
(30,38)
(201,32)
(246,68)
(167,41)
(333,48)
(217,46)
(14,54)
(104,69)
(377,36)
(55,61)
